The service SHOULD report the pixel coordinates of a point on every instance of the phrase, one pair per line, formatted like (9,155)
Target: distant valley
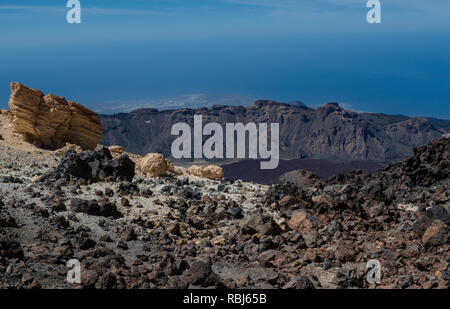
(323,168)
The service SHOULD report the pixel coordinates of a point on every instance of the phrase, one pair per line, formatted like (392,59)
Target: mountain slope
(328,132)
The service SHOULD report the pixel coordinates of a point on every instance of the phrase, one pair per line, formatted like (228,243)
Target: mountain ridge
(193,101)
(329,132)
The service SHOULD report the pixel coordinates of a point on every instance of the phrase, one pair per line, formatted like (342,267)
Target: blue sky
(316,51)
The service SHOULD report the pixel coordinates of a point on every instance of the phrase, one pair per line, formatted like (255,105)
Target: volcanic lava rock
(7,221)
(302,222)
(106,208)
(10,249)
(300,283)
(263,224)
(301,178)
(436,234)
(176,232)
(200,274)
(94,165)
(81,205)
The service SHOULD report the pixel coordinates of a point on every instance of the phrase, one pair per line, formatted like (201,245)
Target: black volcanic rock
(425,175)
(93,165)
(329,132)
(10,249)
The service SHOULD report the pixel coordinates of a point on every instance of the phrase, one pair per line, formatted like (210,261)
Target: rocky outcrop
(399,216)
(51,121)
(213,172)
(85,128)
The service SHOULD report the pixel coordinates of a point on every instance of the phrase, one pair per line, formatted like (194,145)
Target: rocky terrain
(328,132)
(130,228)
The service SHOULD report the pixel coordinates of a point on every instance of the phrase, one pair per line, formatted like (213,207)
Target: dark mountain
(328,132)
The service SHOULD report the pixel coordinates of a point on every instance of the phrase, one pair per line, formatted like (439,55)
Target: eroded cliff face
(328,132)
(85,128)
(50,121)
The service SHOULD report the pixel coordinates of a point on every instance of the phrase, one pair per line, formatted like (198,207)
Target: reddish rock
(302,222)
(436,234)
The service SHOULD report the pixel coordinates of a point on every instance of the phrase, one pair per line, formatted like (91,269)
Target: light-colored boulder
(116,149)
(171,168)
(213,172)
(153,165)
(51,121)
(24,105)
(61,151)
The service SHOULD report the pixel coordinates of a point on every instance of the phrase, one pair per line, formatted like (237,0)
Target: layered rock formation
(51,121)
(85,127)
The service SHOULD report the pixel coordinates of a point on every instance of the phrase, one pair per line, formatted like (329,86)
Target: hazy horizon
(312,51)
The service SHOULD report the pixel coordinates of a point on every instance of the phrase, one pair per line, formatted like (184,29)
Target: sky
(315,51)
